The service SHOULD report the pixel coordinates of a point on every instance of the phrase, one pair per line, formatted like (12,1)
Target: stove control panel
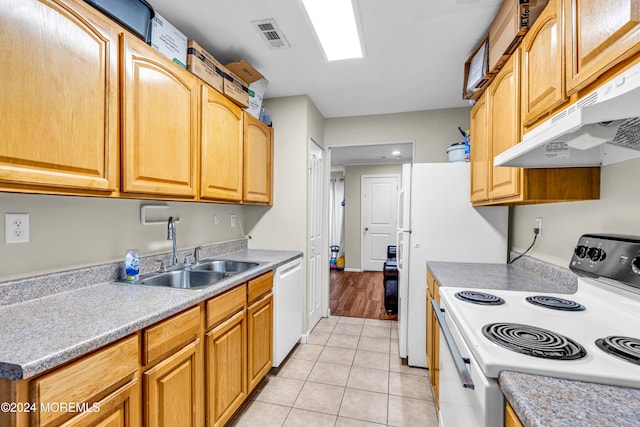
(608,256)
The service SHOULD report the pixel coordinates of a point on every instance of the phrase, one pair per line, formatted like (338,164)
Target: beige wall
(617,212)
(68,232)
(352,227)
(284,225)
(433,131)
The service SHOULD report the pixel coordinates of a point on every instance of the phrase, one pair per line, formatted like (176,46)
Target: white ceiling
(415,50)
(372,154)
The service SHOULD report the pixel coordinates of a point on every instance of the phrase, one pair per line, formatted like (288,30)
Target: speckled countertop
(539,400)
(551,402)
(42,333)
(501,276)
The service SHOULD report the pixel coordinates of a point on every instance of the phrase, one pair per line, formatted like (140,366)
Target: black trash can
(390,282)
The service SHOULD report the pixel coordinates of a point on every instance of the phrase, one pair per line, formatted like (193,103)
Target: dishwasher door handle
(458,360)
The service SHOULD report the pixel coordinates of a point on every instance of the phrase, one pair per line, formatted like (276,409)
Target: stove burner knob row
(594,254)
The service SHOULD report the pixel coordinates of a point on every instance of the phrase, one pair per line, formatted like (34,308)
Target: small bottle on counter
(132,265)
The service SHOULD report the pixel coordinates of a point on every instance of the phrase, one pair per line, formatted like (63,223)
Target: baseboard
(353,270)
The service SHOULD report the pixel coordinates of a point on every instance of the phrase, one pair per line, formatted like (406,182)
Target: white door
(379,218)
(316,244)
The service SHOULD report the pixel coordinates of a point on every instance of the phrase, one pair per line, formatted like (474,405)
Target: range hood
(600,129)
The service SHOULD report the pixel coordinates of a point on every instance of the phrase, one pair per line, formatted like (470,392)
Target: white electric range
(487,331)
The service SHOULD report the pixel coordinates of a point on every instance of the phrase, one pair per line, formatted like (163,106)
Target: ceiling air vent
(271,33)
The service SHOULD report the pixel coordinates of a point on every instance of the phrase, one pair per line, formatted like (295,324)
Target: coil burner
(479,298)
(555,303)
(623,347)
(533,341)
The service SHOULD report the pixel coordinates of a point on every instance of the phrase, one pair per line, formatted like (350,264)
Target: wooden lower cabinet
(163,375)
(260,319)
(510,417)
(119,409)
(84,381)
(172,390)
(226,371)
(433,338)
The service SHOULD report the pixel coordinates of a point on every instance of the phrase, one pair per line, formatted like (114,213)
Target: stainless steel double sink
(195,276)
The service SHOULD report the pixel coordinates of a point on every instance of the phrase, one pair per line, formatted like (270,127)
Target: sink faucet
(171,235)
(196,253)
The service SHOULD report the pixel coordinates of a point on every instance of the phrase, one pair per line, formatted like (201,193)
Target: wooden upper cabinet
(258,161)
(479,156)
(542,72)
(58,97)
(598,35)
(159,123)
(221,155)
(504,130)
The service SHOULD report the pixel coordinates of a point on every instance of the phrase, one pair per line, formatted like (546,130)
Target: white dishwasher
(287,309)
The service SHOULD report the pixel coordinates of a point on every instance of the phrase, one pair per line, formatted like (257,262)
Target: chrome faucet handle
(196,253)
(187,263)
(162,268)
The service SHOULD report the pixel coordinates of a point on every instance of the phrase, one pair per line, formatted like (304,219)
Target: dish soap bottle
(132,265)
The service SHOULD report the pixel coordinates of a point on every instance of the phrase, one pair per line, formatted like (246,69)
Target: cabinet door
(173,390)
(160,111)
(598,35)
(510,417)
(433,337)
(58,97)
(504,123)
(221,156)
(260,319)
(120,409)
(226,369)
(542,71)
(480,161)
(258,161)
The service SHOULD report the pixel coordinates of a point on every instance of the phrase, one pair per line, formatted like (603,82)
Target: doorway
(354,292)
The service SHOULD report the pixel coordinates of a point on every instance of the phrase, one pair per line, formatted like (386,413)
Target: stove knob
(581,251)
(635,265)
(594,254)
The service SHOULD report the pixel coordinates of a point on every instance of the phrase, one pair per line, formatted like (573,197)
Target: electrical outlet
(16,228)
(233,220)
(216,220)
(539,226)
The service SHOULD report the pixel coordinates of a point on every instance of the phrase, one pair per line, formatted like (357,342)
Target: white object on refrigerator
(402,249)
(444,227)
(287,309)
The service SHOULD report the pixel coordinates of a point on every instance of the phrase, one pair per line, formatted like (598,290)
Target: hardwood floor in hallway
(358,294)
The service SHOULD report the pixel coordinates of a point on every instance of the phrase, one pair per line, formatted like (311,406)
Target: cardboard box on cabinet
(476,72)
(204,65)
(511,23)
(168,40)
(254,88)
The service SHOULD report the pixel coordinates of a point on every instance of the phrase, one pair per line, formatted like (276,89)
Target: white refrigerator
(436,222)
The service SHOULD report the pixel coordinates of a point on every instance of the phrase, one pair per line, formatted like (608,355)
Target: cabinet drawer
(85,379)
(226,305)
(259,286)
(170,334)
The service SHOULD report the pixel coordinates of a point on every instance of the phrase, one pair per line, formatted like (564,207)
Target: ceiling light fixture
(395,153)
(334,22)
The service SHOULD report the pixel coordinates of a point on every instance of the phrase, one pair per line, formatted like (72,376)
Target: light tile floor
(348,374)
